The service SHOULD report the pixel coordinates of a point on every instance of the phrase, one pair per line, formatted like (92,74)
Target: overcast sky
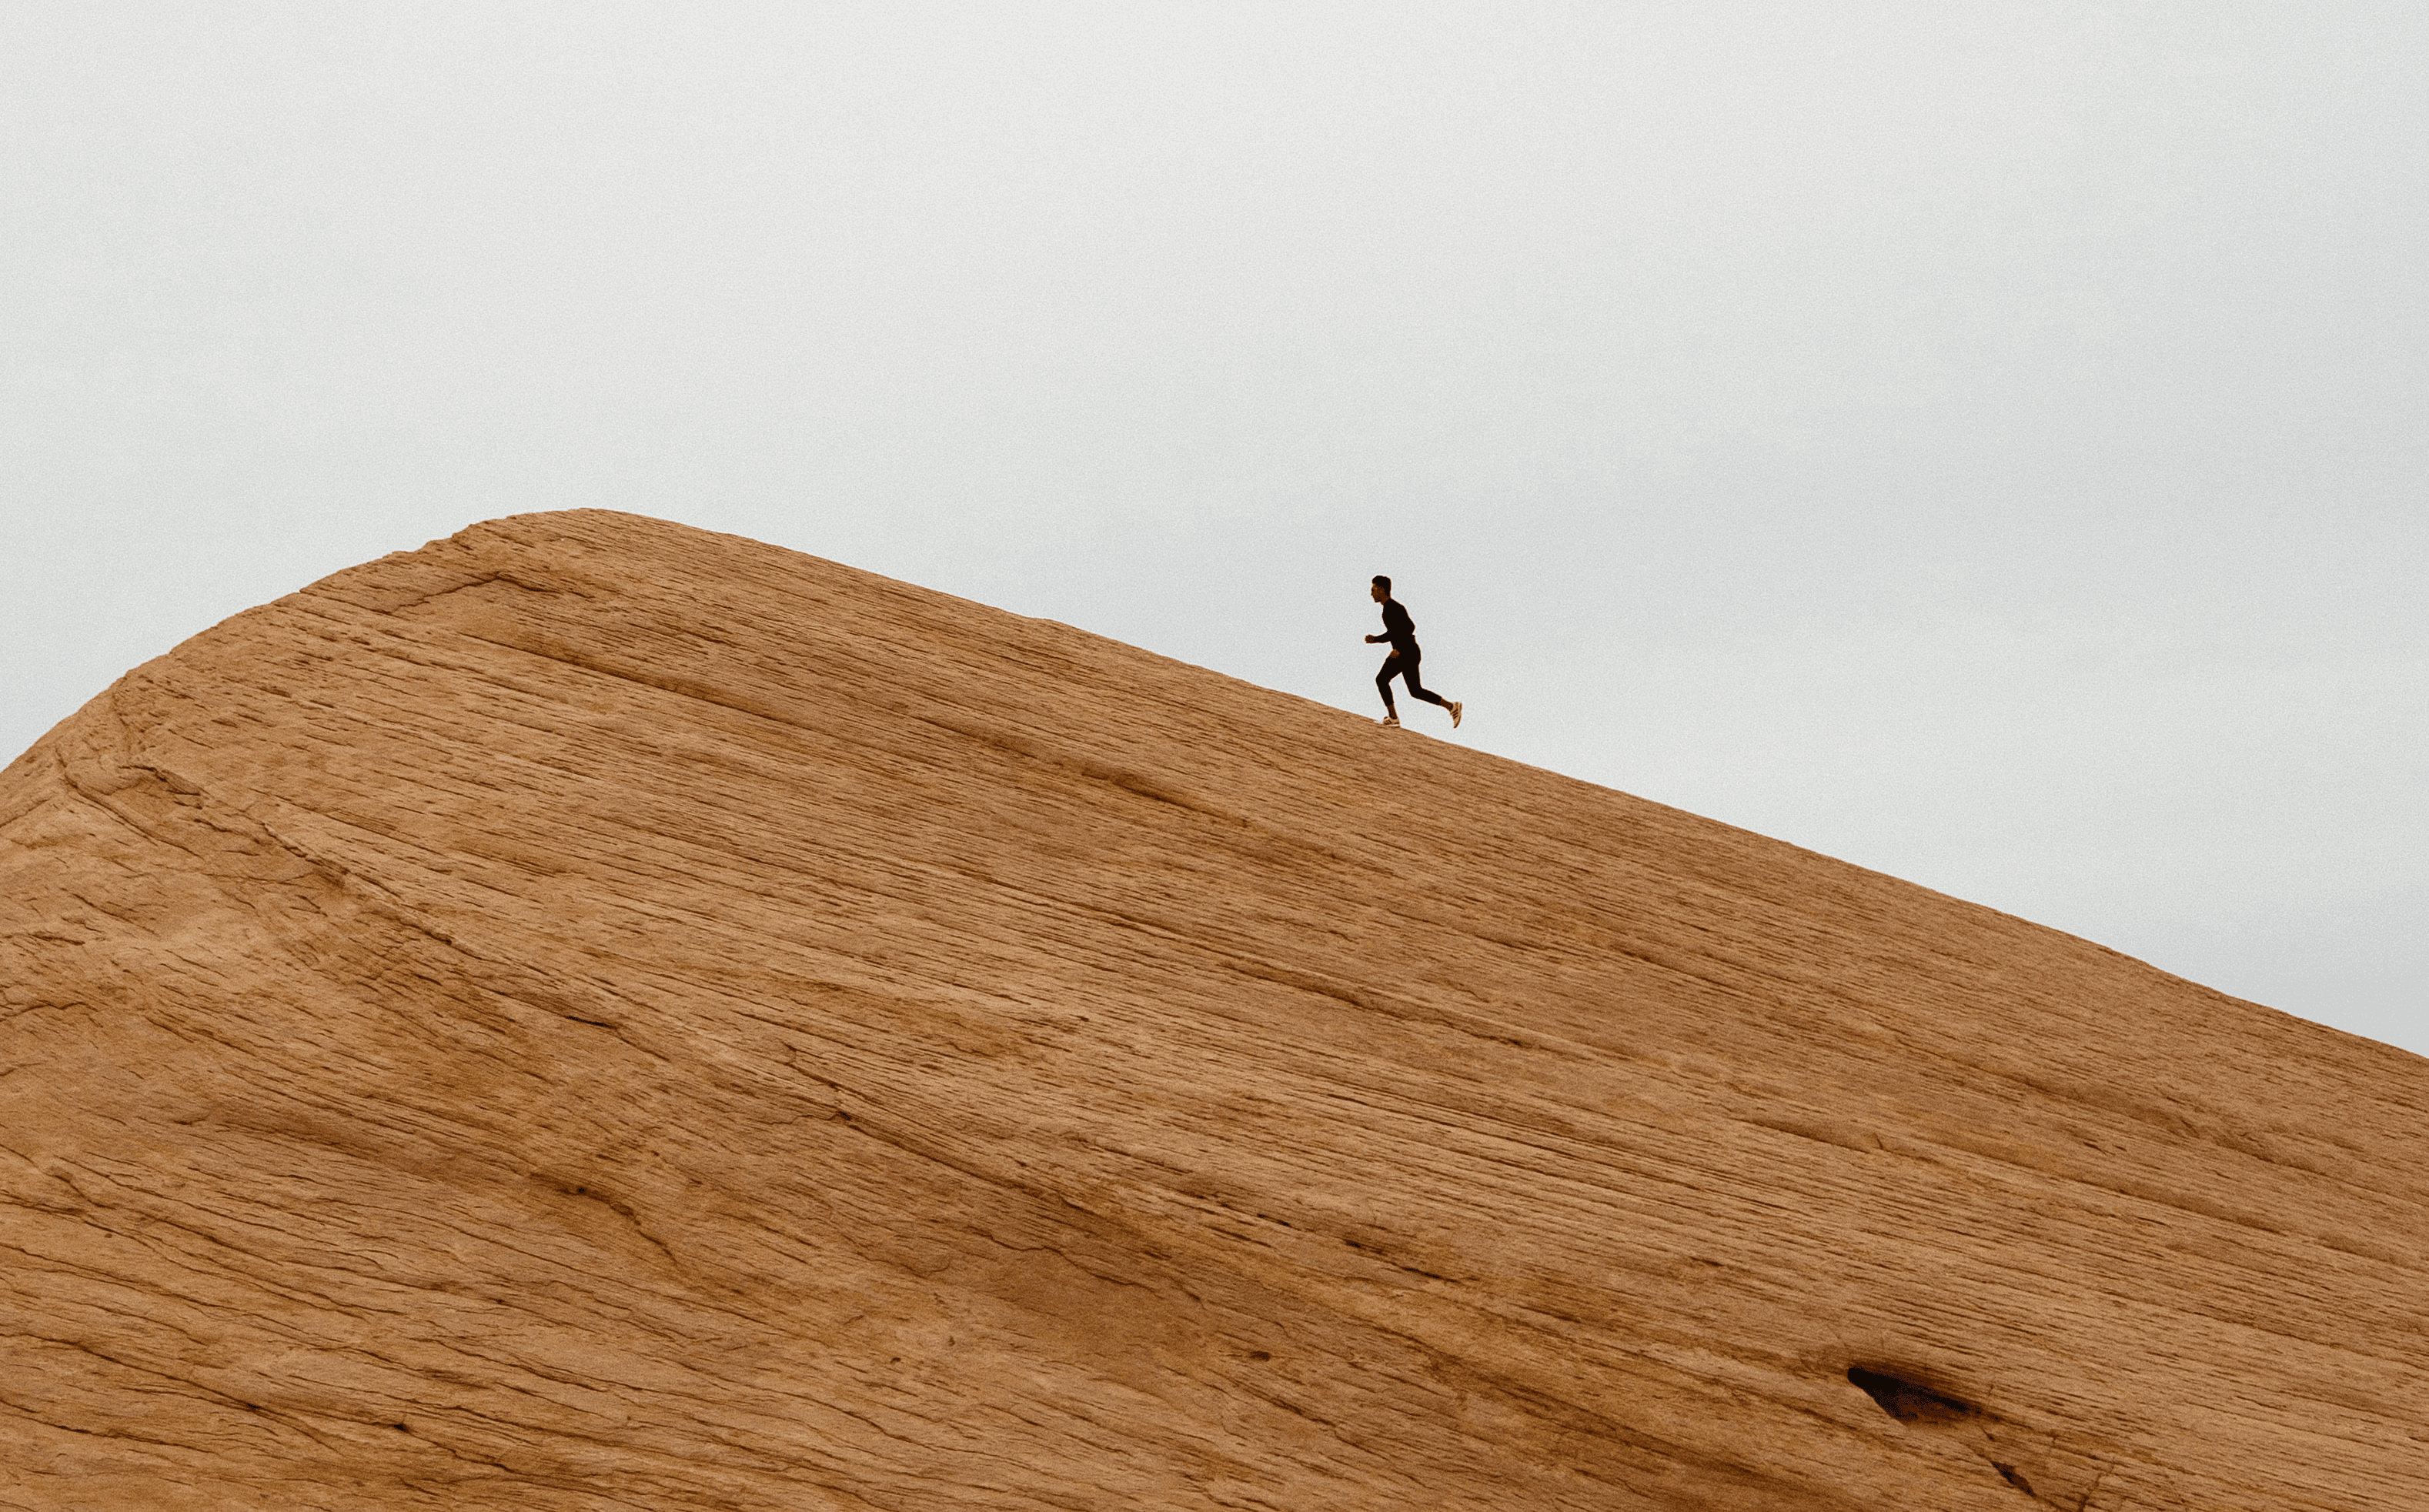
(1984,442)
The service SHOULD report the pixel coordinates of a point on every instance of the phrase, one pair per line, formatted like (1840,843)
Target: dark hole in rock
(1259,1355)
(400,1427)
(1978,1429)
(1906,1401)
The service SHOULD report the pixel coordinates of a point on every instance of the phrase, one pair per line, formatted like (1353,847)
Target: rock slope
(596,1014)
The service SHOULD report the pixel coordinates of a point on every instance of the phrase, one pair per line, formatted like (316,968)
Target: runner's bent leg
(1416,689)
(1384,682)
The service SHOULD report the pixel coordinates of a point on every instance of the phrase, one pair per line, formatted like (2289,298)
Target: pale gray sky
(1980,441)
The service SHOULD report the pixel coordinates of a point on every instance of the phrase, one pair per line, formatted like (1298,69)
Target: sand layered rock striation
(596,1014)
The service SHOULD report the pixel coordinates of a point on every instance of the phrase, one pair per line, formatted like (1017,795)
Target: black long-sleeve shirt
(1398,627)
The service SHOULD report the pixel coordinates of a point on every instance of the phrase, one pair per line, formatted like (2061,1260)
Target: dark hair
(1383,582)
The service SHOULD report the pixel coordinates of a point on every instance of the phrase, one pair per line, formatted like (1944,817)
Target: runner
(1402,632)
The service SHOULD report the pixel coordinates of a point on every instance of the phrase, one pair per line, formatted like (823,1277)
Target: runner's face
(1374,591)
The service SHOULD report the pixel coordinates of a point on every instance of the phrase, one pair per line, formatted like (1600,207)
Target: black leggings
(1404,665)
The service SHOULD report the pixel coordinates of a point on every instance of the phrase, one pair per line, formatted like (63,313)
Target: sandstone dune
(596,1014)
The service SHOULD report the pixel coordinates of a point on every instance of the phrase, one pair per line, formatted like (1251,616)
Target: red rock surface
(595,1014)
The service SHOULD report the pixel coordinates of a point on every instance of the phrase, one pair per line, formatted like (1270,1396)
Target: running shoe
(1454,714)
(1391,721)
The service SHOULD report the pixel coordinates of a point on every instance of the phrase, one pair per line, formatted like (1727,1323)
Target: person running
(1402,632)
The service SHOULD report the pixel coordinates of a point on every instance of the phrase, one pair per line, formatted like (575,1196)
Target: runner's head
(1382,588)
